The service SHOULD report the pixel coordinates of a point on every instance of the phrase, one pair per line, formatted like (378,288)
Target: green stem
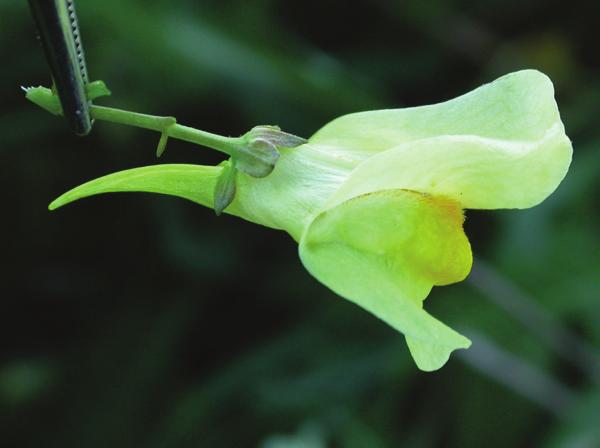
(166,125)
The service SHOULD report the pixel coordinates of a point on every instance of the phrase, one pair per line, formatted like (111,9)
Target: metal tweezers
(58,29)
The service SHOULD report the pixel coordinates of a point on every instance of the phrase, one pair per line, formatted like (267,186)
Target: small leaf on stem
(96,89)
(162,144)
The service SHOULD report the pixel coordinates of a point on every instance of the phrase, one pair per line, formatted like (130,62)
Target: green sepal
(257,158)
(276,136)
(259,151)
(225,188)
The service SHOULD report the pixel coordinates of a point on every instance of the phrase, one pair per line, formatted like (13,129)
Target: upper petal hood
(519,106)
(501,146)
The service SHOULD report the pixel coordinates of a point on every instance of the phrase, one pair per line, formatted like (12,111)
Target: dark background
(145,321)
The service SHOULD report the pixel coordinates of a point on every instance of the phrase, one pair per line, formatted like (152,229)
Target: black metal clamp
(58,28)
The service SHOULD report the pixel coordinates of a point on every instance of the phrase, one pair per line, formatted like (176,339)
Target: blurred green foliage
(116,321)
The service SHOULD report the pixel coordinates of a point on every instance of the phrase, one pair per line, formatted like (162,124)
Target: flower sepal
(225,187)
(258,153)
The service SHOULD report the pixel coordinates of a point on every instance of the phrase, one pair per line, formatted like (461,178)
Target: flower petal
(384,252)
(480,173)
(500,146)
(516,107)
